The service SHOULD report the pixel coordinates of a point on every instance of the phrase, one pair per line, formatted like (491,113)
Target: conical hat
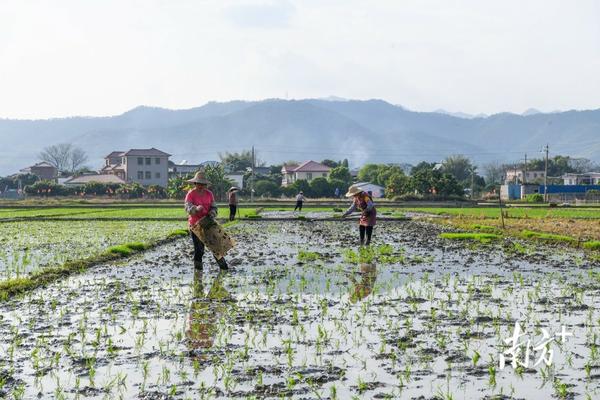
(353,190)
(199,178)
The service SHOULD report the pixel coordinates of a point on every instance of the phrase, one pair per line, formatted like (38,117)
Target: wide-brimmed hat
(199,178)
(353,190)
(233,189)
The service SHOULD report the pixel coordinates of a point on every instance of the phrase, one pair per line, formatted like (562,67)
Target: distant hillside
(362,131)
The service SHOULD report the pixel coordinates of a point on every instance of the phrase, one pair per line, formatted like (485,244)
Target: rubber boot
(222,263)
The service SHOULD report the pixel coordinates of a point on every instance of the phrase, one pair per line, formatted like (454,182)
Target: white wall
(238,179)
(162,169)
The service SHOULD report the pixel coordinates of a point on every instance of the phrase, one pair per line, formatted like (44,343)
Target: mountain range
(282,130)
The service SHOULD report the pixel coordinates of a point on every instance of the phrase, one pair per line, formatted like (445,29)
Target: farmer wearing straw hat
(233,202)
(361,201)
(200,203)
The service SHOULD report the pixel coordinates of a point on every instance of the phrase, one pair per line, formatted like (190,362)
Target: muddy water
(405,322)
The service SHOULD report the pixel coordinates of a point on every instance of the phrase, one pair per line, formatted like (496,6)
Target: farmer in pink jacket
(199,203)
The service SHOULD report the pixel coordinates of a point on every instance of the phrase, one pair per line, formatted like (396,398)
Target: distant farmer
(200,204)
(233,202)
(336,193)
(361,201)
(299,200)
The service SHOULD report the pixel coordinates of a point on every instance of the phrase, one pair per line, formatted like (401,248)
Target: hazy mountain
(531,111)
(362,131)
(459,114)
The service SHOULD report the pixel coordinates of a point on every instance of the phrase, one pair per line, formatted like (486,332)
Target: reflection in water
(205,311)
(362,289)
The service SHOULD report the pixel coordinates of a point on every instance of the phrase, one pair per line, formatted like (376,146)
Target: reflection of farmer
(233,201)
(299,200)
(363,288)
(205,311)
(362,202)
(200,203)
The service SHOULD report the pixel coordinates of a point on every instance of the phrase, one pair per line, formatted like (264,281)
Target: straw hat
(199,178)
(353,191)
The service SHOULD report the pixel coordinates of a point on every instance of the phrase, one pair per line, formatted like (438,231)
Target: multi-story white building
(143,166)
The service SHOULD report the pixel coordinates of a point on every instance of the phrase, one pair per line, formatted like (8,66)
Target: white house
(143,166)
(589,178)
(521,176)
(308,170)
(376,190)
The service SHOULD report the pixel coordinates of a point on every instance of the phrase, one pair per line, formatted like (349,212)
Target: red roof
(288,168)
(312,166)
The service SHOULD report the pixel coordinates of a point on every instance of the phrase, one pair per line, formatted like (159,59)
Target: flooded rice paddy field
(303,313)
(26,246)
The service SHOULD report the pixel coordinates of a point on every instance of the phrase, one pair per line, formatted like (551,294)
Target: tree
(341,174)
(385,172)
(446,185)
(219,183)
(320,187)
(397,184)
(330,163)
(582,165)
(368,173)
(339,184)
(421,181)
(77,159)
(267,188)
(178,187)
(301,185)
(131,191)
(12,182)
(423,165)
(345,163)
(239,161)
(47,188)
(559,165)
(433,182)
(64,157)
(459,167)
(494,171)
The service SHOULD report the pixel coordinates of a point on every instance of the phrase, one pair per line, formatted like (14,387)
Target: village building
(99,178)
(143,166)
(308,171)
(43,170)
(519,175)
(589,178)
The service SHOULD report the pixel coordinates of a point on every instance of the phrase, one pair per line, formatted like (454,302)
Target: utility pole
(525,170)
(472,183)
(546,176)
(252,178)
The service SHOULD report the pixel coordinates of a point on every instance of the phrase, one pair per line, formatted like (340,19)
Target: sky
(75,57)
